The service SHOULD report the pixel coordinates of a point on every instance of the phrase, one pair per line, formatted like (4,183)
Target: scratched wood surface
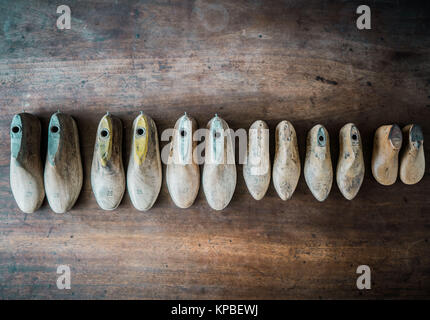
(245,60)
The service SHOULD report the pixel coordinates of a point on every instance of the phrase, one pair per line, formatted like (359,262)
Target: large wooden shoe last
(26,171)
(318,168)
(350,166)
(182,172)
(107,170)
(412,161)
(219,170)
(144,168)
(256,168)
(63,166)
(286,166)
(385,157)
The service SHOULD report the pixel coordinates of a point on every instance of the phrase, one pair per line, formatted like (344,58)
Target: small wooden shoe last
(256,168)
(219,170)
(286,166)
(144,168)
(26,171)
(182,172)
(385,157)
(412,161)
(318,168)
(107,170)
(350,166)
(63,166)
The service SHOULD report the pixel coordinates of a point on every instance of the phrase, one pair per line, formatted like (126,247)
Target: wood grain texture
(245,60)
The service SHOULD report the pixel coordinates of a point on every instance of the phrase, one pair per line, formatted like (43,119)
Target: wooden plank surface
(245,60)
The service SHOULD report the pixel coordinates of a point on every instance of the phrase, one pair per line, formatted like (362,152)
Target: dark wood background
(304,61)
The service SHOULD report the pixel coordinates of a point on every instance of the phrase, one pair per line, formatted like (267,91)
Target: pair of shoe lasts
(318,166)
(386,148)
(144,167)
(219,170)
(286,166)
(62,177)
